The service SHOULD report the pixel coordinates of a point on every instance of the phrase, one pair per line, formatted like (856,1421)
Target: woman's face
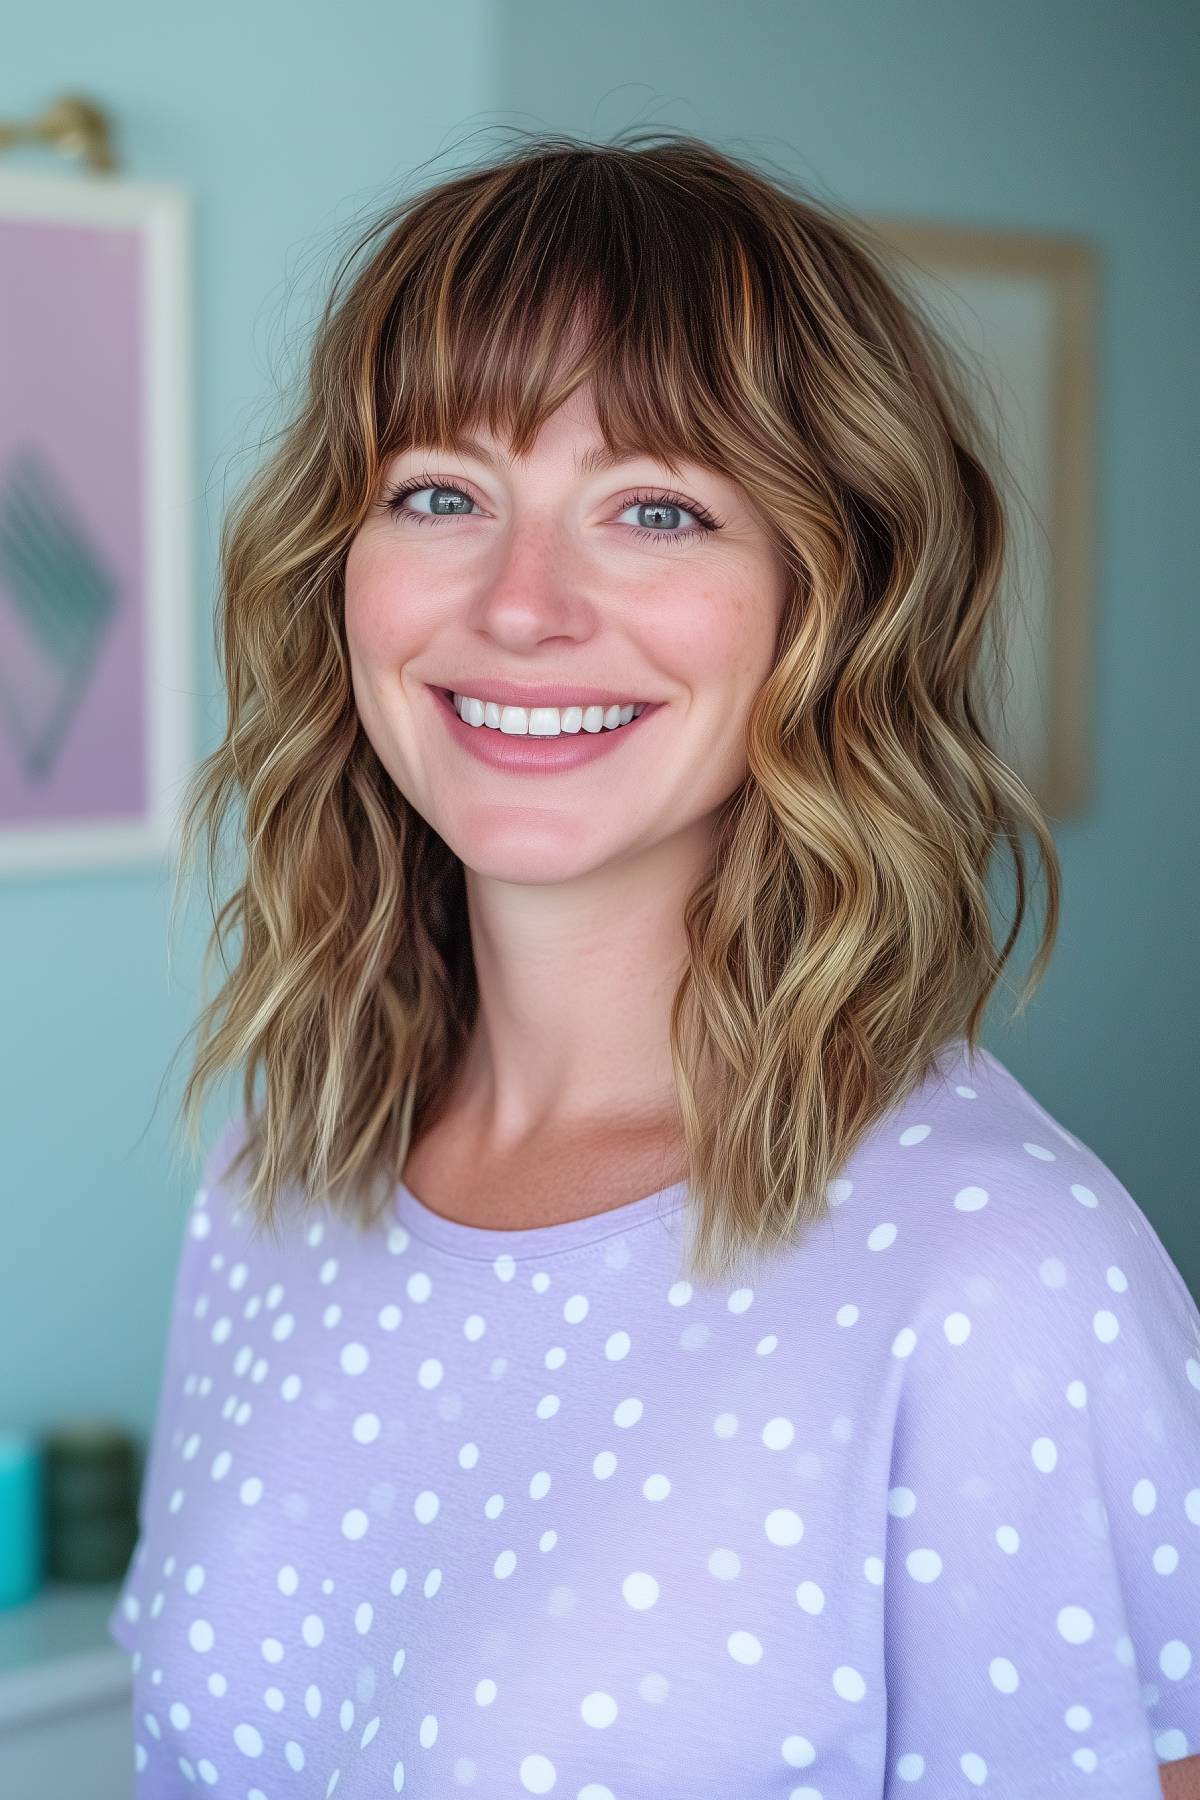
(560,579)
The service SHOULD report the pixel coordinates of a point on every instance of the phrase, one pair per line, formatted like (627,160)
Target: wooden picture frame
(1023,309)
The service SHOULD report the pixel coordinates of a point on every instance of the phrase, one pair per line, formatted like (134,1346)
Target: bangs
(562,272)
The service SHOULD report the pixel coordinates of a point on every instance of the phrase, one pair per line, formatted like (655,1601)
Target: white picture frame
(96,499)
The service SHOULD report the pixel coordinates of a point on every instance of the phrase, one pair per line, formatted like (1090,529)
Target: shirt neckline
(481,1243)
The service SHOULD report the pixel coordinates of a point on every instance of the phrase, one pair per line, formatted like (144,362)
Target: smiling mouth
(639,707)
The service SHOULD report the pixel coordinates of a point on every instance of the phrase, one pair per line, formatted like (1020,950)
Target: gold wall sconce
(70,124)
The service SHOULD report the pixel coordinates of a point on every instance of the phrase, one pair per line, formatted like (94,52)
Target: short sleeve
(1042,1569)
(124,1619)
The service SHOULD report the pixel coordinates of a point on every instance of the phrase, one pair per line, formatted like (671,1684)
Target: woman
(641,1345)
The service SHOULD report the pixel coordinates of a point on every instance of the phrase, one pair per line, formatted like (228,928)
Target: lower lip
(524,755)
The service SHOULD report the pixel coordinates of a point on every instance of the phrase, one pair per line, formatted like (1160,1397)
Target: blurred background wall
(286,121)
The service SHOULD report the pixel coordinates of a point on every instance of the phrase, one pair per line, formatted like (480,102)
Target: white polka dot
(1041,1153)
(957,1327)
(1175,1659)
(783,1526)
(970,1199)
(901,1501)
(640,1590)
(904,1342)
(1165,1559)
(426,1506)
(576,1309)
(1075,1624)
(312,1630)
(200,1634)
(627,1413)
(504,1564)
(740,1299)
(1003,1675)
(778,1433)
(1145,1497)
(366,1428)
(810,1598)
(915,1134)
(882,1237)
(250,1492)
(744,1647)
(725,1564)
(848,1683)
(418,1287)
(355,1358)
(430,1373)
(248,1740)
(847,1315)
(1044,1452)
(923,1565)
(1008,1539)
(911,1766)
(355,1524)
(974,1768)
(598,1710)
(1078,1718)
(179,1716)
(618,1346)
(1106,1325)
(538,1774)
(797,1752)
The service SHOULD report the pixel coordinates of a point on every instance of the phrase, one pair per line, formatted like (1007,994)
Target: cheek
(383,622)
(725,645)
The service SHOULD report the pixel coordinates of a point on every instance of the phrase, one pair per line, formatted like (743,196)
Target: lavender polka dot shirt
(444,1511)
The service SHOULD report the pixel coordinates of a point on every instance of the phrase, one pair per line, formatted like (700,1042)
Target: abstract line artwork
(59,596)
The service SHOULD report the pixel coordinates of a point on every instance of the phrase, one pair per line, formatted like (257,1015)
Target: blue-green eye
(643,499)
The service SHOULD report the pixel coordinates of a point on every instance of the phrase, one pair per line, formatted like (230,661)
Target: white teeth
(544,721)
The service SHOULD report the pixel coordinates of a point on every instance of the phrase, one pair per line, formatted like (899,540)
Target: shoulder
(985,1199)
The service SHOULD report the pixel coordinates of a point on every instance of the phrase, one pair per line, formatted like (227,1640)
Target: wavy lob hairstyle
(841,937)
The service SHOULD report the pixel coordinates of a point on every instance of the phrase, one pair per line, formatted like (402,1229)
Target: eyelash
(643,497)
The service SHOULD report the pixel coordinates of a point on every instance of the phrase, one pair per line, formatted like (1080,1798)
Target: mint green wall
(284,122)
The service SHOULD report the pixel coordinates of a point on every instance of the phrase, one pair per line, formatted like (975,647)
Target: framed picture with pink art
(95,522)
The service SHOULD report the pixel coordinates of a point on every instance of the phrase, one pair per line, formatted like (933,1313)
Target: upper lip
(523,693)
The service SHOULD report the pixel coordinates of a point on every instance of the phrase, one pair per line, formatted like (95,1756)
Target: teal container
(22,1525)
